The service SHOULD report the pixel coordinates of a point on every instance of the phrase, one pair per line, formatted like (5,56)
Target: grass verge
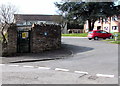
(113,40)
(76,34)
(85,35)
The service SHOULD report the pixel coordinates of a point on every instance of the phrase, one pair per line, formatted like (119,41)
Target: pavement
(61,53)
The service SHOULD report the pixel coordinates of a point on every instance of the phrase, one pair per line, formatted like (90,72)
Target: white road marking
(47,68)
(14,65)
(105,75)
(2,64)
(28,66)
(81,72)
(59,69)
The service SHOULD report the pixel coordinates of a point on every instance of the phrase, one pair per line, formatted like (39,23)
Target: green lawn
(85,35)
(113,40)
(116,42)
(76,34)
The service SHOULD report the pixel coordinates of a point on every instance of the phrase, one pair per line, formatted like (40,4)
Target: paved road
(13,74)
(95,61)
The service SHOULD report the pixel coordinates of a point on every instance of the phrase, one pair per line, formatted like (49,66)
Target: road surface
(91,62)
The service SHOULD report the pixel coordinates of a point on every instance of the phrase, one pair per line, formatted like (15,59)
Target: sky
(33,6)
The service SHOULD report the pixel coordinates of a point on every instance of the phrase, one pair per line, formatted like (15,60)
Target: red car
(96,34)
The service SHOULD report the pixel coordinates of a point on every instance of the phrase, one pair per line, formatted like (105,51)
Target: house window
(114,18)
(114,27)
(99,20)
(98,27)
(103,20)
(106,28)
(106,20)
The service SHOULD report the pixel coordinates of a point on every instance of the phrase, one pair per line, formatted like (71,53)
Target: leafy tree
(80,12)
(117,8)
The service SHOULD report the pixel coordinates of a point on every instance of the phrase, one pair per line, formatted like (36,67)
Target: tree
(117,8)
(81,12)
(6,18)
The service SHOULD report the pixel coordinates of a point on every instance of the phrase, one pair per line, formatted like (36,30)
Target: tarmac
(61,53)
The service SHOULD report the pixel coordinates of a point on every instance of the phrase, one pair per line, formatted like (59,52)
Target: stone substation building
(32,38)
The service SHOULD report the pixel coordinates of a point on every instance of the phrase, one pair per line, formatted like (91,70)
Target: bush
(116,34)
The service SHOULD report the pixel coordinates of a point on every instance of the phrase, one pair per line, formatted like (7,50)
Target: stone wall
(0,48)
(11,48)
(45,37)
(42,37)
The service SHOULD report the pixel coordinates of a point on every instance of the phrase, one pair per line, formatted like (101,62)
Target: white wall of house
(112,25)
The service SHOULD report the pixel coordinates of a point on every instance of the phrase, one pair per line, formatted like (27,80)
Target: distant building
(111,24)
(75,28)
(29,19)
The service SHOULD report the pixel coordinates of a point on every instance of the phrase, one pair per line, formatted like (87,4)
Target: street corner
(56,54)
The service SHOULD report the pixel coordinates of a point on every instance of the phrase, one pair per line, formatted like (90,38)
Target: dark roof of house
(34,17)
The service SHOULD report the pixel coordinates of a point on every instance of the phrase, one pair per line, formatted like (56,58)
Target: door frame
(19,33)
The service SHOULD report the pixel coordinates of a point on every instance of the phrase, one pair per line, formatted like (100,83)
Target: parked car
(96,34)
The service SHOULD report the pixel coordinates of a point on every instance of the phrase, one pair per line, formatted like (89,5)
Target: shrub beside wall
(11,47)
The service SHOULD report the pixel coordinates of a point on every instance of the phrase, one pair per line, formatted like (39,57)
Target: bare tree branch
(7,12)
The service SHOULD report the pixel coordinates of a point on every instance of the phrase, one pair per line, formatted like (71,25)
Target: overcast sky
(33,6)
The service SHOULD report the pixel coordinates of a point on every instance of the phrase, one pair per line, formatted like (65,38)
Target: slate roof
(34,17)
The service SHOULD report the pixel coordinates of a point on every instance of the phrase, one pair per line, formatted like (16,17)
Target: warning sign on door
(24,35)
